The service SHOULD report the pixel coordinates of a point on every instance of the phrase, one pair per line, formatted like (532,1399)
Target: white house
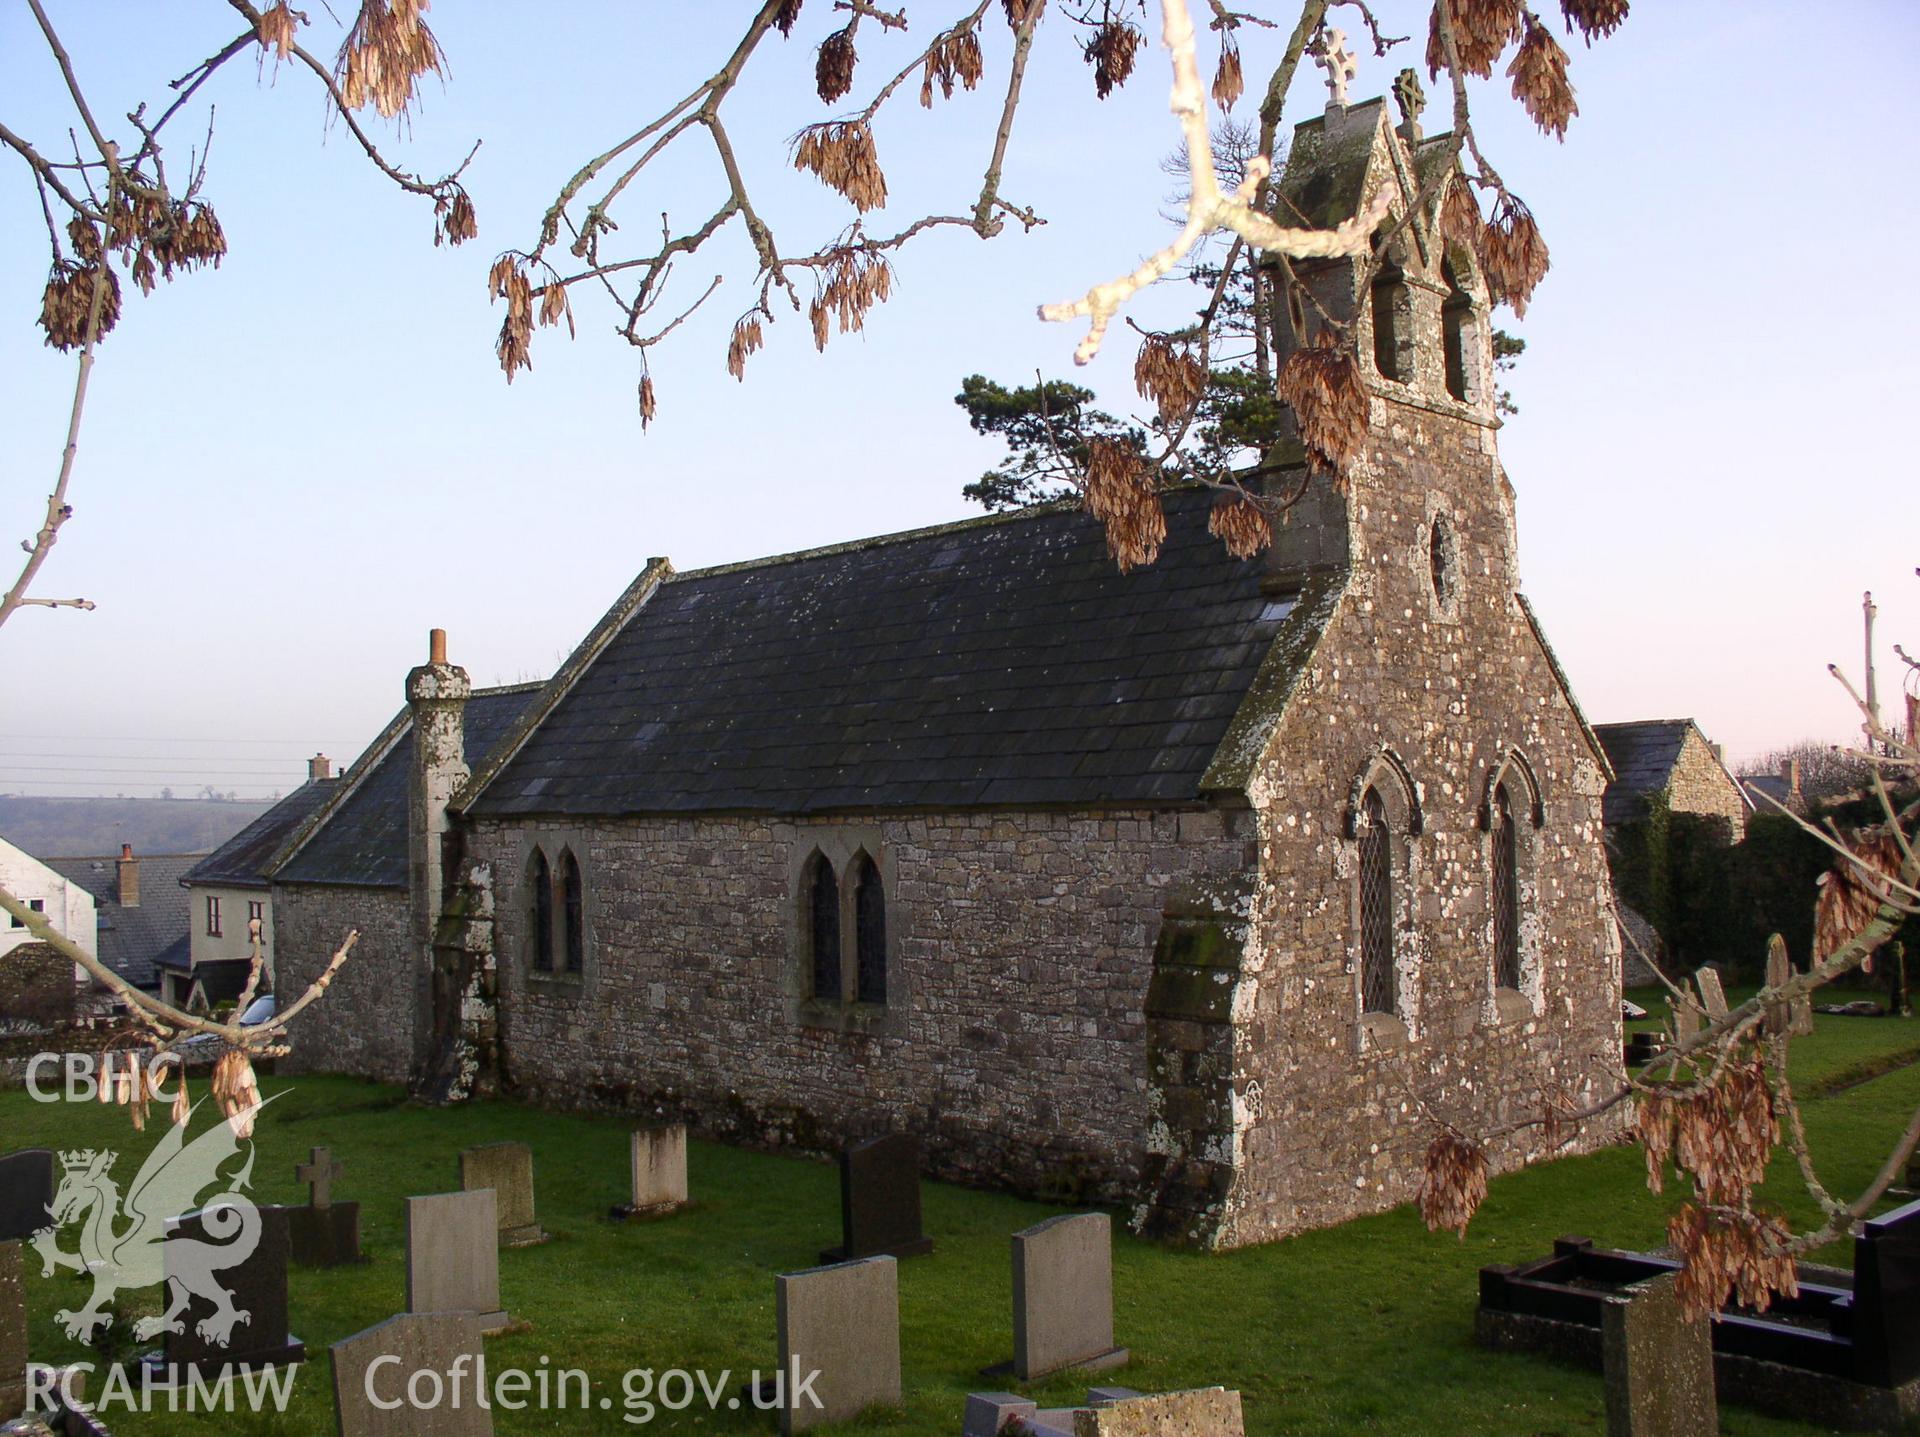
(67,905)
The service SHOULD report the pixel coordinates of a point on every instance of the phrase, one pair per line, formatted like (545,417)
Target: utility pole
(1869,611)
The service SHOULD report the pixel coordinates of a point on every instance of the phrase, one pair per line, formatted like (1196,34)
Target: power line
(137,738)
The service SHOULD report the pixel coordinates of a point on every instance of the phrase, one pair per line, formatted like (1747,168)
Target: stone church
(1205,890)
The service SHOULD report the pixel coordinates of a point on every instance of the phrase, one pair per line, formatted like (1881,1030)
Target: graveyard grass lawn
(1361,1328)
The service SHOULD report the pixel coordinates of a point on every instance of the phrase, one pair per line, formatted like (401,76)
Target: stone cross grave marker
(1658,1367)
(453,1256)
(1711,993)
(1212,1410)
(423,1342)
(507,1168)
(880,1201)
(842,1322)
(1063,1297)
(659,1161)
(1779,970)
(255,1286)
(13,1333)
(26,1190)
(318,1173)
(324,1233)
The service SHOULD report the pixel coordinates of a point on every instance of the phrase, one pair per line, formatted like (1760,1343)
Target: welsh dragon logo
(175,1179)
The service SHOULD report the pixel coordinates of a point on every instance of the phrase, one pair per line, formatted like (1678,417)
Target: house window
(34,905)
(1376,907)
(870,932)
(213,917)
(256,912)
(540,899)
(1506,892)
(823,927)
(572,908)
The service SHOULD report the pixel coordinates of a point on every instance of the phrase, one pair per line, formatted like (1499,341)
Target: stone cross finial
(1412,100)
(1333,56)
(319,1175)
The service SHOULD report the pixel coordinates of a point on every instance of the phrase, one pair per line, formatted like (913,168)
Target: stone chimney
(129,886)
(1790,774)
(437,697)
(319,767)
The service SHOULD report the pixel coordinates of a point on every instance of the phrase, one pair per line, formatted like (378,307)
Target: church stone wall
(1700,785)
(1012,1041)
(363,1023)
(1333,1116)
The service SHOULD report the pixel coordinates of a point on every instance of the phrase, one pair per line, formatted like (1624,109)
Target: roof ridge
(1065,504)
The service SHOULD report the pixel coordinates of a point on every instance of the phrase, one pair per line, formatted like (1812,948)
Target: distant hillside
(86,827)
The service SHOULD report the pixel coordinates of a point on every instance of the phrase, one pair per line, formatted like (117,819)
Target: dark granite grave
(1644,1046)
(880,1201)
(256,1286)
(26,1191)
(13,1333)
(1844,1352)
(324,1233)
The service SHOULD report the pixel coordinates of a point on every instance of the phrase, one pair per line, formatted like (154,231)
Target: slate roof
(361,836)
(132,939)
(1000,661)
(1643,754)
(241,861)
(1762,786)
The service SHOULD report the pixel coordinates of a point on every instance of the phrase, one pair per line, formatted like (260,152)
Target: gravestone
(1800,1015)
(1779,971)
(1657,1366)
(1711,993)
(26,1191)
(659,1172)
(324,1233)
(255,1286)
(1686,1019)
(842,1322)
(13,1333)
(1214,1411)
(1063,1297)
(880,1201)
(453,1256)
(1886,1298)
(507,1168)
(435,1342)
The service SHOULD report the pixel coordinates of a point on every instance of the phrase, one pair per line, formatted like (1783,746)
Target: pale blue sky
(296,465)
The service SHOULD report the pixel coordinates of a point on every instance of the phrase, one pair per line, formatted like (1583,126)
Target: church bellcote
(1422,313)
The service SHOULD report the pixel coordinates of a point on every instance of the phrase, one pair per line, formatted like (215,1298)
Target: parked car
(204,1047)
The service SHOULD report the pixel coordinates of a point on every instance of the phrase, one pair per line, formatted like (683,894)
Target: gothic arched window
(1457,335)
(1506,891)
(1390,301)
(822,895)
(540,911)
(572,902)
(1376,907)
(869,932)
